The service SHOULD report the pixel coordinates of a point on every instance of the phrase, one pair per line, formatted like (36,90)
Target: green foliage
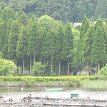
(88,45)
(103,70)
(74,83)
(81,44)
(1,55)
(27,35)
(99,43)
(13,37)
(38,68)
(8,13)
(59,43)
(21,49)
(33,42)
(65,10)
(7,67)
(67,50)
(71,81)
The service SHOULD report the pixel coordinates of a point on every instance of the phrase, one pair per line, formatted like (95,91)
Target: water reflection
(20,89)
(42,91)
(39,89)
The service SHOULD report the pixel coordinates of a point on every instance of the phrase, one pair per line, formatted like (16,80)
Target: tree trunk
(44,63)
(19,70)
(23,66)
(34,58)
(30,66)
(98,68)
(85,67)
(68,68)
(90,69)
(51,66)
(59,67)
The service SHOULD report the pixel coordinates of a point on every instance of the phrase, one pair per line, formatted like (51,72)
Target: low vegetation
(103,70)
(7,67)
(65,81)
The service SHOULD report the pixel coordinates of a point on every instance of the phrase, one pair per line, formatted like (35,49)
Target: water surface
(20,92)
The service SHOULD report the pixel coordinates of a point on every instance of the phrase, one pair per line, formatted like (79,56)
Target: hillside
(39,36)
(65,10)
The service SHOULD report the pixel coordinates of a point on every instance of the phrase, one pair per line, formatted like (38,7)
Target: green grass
(94,84)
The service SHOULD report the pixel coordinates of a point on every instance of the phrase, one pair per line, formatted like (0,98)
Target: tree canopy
(43,31)
(65,10)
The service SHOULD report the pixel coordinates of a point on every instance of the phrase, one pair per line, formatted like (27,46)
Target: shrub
(38,68)
(103,70)
(7,67)
(71,81)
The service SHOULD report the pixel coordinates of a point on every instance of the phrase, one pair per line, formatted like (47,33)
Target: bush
(71,81)
(38,68)
(71,84)
(103,70)
(74,83)
(7,67)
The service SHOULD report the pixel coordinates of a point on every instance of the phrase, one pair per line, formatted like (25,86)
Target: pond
(20,89)
(98,93)
(18,93)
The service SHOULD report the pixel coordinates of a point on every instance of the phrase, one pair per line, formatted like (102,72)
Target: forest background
(42,33)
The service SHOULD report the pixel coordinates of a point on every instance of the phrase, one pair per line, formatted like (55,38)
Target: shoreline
(64,81)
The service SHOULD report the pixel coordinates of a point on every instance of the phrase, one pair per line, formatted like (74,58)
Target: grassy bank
(101,84)
(69,81)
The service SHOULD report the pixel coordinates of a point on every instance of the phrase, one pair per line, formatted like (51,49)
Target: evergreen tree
(21,50)
(4,37)
(81,44)
(13,37)
(98,49)
(67,51)
(88,49)
(8,13)
(58,47)
(33,43)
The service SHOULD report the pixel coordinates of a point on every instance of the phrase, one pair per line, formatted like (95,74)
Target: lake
(41,90)
(18,93)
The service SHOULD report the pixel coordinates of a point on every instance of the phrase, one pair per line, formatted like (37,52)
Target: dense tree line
(65,10)
(62,48)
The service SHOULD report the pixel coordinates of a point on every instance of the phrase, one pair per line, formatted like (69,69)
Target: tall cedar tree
(12,41)
(84,29)
(21,50)
(67,53)
(99,47)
